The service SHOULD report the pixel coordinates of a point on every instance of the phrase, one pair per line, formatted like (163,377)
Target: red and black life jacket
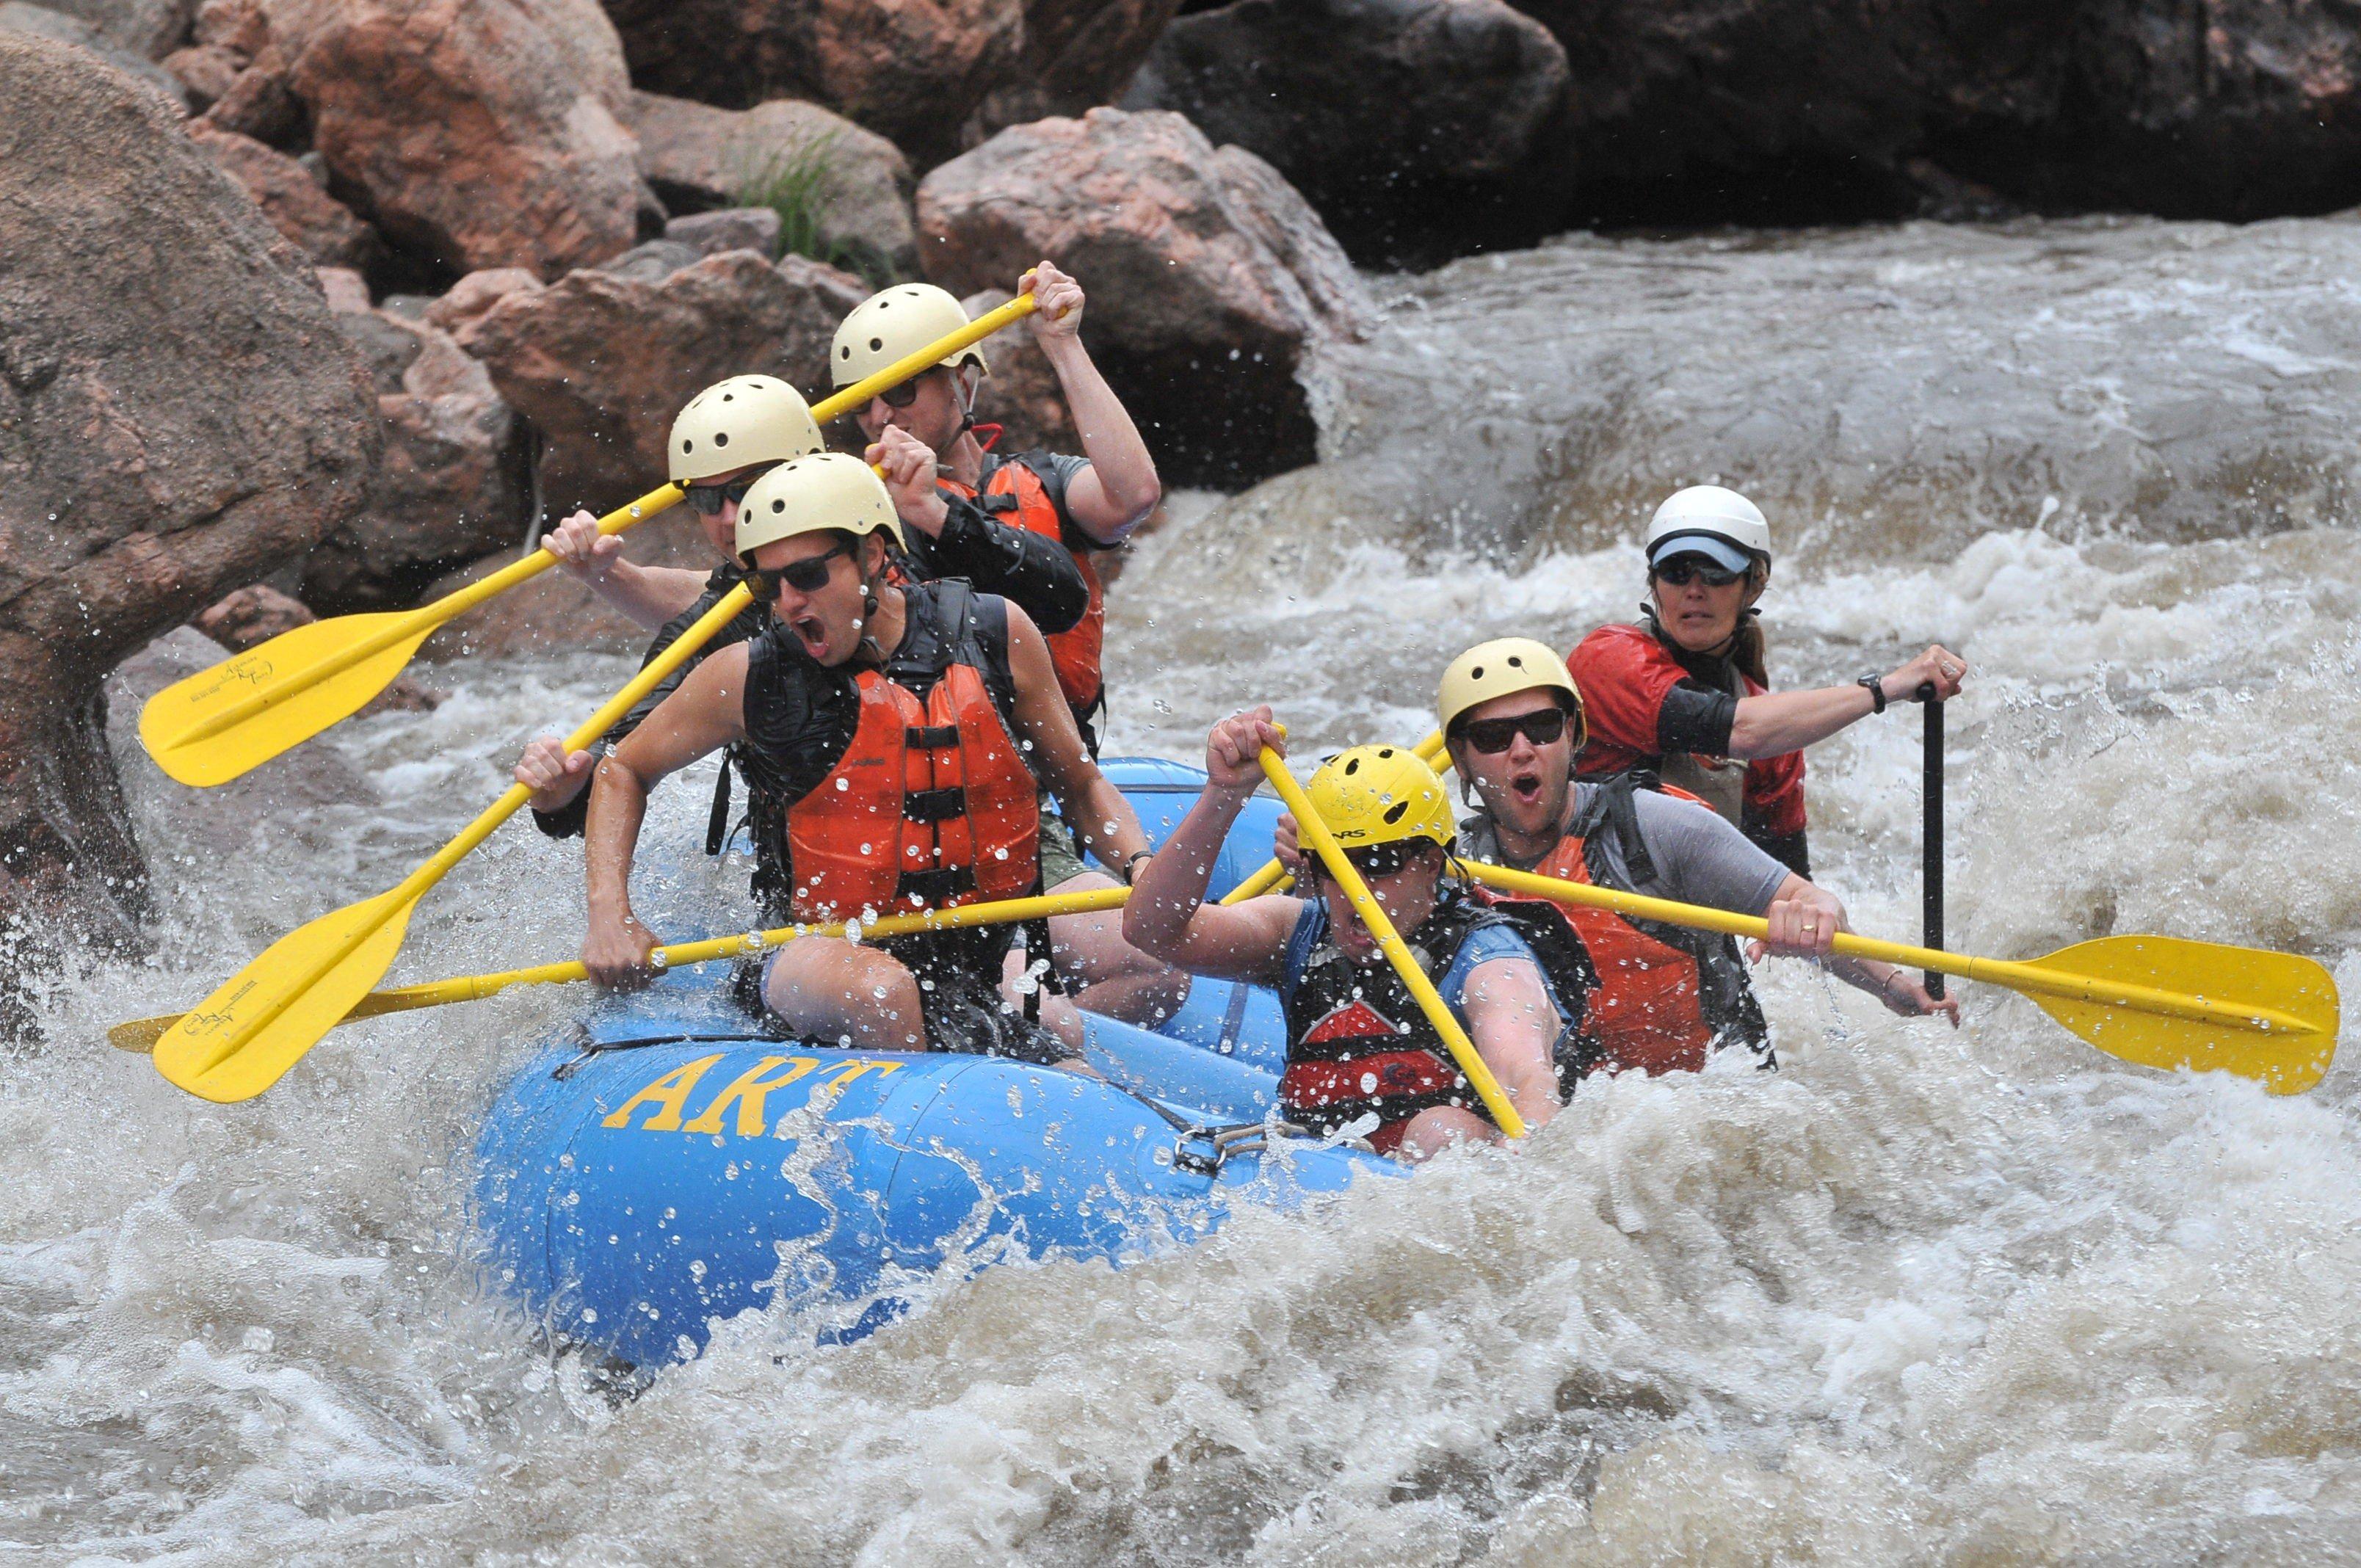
(1359,1042)
(1014,493)
(929,802)
(1662,998)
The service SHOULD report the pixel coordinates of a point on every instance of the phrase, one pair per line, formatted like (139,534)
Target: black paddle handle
(1931,802)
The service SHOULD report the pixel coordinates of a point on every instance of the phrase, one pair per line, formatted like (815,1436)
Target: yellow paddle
(2161,1002)
(141,1034)
(246,1034)
(1463,1050)
(222,721)
(1274,877)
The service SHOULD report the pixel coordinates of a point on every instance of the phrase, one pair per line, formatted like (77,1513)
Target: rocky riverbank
(342,296)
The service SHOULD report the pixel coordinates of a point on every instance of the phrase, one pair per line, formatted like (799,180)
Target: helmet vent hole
(1397,812)
(729,397)
(1516,661)
(688,445)
(1353,767)
(1386,751)
(1477,673)
(721,438)
(845,352)
(875,344)
(778,506)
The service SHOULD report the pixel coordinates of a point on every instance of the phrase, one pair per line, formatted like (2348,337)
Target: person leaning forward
(728,436)
(904,729)
(1077,507)
(1360,1054)
(1662,997)
(1686,698)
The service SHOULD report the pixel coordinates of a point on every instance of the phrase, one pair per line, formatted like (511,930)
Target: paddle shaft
(535,561)
(1930,801)
(2028,977)
(413,886)
(1315,834)
(683,955)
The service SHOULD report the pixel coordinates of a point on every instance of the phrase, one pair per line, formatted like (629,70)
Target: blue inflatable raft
(665,1165)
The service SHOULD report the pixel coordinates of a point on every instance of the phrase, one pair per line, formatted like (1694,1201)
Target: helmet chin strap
(869,614)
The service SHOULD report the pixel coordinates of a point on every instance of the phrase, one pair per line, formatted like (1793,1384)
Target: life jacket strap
(935,804)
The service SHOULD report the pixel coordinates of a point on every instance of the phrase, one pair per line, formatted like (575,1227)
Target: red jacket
(1625,673)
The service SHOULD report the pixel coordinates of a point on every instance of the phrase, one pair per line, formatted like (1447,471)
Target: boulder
(471,296)
(1077,55)
(149,29)
(1211,280)
(1022,395)
(727,228)
(206,72)
(470,128)
(259,612)
(912,70)
(317,223)
(260,103)
(1408,123)
(178,417)
(698,157)
(654,261)
(40,21)
(454,480)
(600,363)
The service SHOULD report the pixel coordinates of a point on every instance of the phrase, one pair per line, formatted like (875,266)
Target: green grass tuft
(798,183)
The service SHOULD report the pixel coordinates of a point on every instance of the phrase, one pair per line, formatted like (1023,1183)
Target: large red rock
(1210,279)
(600,363)
(699,157)
(480,132)
(297,205)
(1410,123)
(179,417)
(453,484)
(1078,54)
(910,68)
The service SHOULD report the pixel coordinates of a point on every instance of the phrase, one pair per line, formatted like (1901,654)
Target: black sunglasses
(1494,735)
(1373,860)
(1681,570)
(706,500)
(808,575)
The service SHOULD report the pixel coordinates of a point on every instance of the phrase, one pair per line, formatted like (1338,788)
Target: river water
(1973,1296)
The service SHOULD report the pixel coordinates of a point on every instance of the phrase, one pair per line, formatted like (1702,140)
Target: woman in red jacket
(1683,695)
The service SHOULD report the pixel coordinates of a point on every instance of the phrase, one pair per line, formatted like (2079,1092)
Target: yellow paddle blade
(2276,1013)
(262,702)
(242,1038)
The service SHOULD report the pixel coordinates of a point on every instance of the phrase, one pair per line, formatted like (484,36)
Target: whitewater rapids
(1973,1296)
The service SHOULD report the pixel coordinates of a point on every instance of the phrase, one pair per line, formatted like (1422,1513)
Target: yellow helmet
(890,326)
(1380,795)
(1503,665)
(809,494)
(743,420)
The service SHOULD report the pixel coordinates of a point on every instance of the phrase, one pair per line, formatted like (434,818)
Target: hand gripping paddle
(243,1037)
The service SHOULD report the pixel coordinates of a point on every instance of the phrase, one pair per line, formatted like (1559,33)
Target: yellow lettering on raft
(670,1092)
(746,1091)
(854,1070)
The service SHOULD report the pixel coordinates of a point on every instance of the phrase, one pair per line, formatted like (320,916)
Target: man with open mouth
(905,731)
(1665,997)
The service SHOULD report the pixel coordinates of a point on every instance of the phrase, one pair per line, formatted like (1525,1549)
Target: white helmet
(735,423)
(1705,519)
(888,327)
(809,494)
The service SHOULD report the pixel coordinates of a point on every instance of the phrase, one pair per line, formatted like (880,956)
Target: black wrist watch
(1131,866)
(1876,684)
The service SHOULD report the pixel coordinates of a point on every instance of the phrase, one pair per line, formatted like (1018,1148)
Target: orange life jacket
(1075,652)
(1653,1007)
(932,805)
